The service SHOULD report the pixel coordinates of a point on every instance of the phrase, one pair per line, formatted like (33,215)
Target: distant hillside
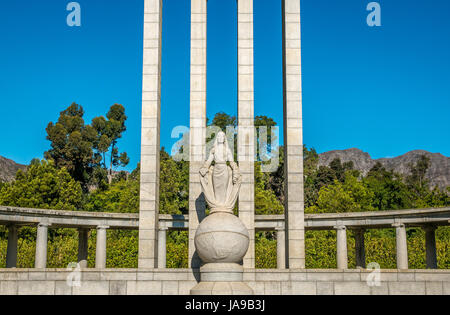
(438,173)
(8,169)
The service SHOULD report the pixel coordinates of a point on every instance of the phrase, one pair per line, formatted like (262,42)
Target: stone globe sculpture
(221,240)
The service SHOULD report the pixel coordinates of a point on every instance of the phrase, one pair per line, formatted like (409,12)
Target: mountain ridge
(8,169)
(438,173)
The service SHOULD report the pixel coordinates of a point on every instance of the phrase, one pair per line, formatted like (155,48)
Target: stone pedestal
(222,279)
(222,241)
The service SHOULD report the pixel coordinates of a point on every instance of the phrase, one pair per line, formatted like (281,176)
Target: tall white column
(100,254)
(11,252)
(197,144)
(360,249)
(246,129)
(41,246)
(162,247)
(281,248)
(293,134)
(150,139)
(430,244)
(83,237)
(402,246)
(341,246)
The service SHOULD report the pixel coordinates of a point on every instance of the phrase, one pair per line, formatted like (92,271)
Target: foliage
(350,196)
(81,148)
(121,196)
(174,185)
(43,186)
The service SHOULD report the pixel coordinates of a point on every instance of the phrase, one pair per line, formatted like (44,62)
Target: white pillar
(430,244)
(83,237)
(402,246)
(162,248)
(11,252)
(197,143)
(150,139)
(341,245)
(293,134)
(281,248)
(246,129)
(360,249)
(41,246)
(100,253)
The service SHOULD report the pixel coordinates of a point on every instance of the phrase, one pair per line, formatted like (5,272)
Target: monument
(221,240)
(292,233)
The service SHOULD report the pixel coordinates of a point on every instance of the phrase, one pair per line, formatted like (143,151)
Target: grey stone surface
(402,246)
(246,137)
(325,288)
(197,142)
(150,139)
(407,288)
(293,134)
(100,251)
(41,246)
(321,282)
(223,238)
(281,248)
(341,246)
(162,247)
(125,221)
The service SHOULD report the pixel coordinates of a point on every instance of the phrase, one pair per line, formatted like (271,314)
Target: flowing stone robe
(221,182)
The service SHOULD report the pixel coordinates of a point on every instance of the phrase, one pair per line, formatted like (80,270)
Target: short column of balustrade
(341,246)
(41,246)
(100,257)
(162,247)
(281,248)
(402,246)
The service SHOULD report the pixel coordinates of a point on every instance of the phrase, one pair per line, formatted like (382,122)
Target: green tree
(122,196)
(223,120)
(82,148)
(350,196)
(417,181)
(72,144)
(174,185)
(390,192)
(109,131)
(43,186)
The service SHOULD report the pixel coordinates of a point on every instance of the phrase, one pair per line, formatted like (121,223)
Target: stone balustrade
(428,219)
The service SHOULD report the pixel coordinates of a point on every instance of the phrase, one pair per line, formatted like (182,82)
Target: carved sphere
(222,238)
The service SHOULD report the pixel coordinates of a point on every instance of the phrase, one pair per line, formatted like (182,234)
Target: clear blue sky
(384,90)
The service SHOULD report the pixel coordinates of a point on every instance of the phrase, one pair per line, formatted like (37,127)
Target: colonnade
(42,246)
(401,247)
(341,246)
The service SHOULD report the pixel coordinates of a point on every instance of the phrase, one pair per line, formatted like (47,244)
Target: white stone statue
(221,239)
(221,182)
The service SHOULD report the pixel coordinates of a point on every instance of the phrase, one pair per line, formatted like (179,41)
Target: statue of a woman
(220,182)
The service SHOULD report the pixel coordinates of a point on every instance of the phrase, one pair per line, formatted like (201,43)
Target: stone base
(222,279)
(222,288)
